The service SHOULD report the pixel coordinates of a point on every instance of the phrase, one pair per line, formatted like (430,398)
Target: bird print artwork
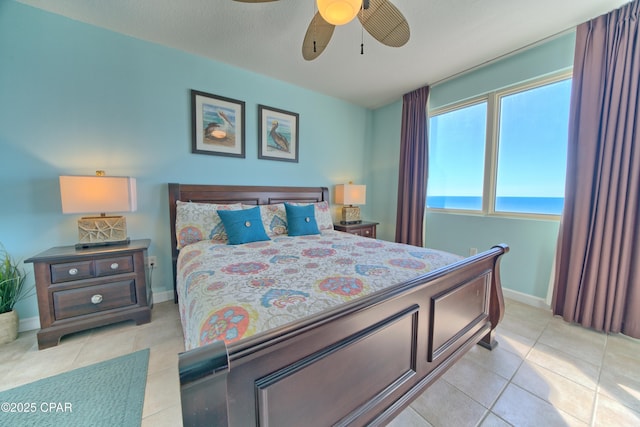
(280,142)
(219,125)
(278,130)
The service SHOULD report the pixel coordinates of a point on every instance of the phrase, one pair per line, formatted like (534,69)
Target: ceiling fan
(380,18)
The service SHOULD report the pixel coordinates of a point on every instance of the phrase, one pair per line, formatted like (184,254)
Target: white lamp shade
(97,194)
(351,194)
(339,12)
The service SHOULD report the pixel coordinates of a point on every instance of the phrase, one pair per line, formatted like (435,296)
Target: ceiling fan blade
(385,23)
(317,37)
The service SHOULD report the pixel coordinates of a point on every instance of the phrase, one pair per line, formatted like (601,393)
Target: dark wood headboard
(225,194)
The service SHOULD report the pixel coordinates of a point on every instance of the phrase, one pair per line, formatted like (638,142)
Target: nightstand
(365,228)
(85,288)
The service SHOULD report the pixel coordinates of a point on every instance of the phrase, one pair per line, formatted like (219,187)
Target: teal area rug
(109,393)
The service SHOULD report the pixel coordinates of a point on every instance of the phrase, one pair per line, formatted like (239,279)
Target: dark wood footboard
(359,364)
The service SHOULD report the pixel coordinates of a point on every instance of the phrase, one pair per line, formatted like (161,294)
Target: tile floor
(544,372)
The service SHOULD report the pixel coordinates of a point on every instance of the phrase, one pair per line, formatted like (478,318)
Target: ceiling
(447,37)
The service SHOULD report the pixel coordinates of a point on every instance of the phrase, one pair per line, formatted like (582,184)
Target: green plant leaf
(12,282)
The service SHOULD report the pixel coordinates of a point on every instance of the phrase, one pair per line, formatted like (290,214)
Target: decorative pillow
(243,226)
(200,221)
(301,220)
(274,218)
(323,214)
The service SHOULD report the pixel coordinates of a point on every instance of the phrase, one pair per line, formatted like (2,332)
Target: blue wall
(382,169)
(75,98)
(527,268)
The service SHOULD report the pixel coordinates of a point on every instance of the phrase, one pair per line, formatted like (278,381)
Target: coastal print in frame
(277,134)
(218,125)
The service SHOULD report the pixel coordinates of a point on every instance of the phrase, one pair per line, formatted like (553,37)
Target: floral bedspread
(232,292)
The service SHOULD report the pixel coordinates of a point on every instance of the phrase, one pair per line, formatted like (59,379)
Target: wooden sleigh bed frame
(360,363)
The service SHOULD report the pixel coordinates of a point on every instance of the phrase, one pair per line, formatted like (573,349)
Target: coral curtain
(414,158)
(597,282)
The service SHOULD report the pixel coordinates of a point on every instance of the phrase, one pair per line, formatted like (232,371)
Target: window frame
(493,100)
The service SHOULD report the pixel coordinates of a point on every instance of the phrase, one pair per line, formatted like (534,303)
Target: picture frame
(278,134)
(218,125)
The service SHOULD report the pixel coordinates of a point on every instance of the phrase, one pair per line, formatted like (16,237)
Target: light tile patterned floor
(545,372)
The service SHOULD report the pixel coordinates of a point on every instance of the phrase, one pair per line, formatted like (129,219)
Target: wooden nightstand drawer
(365,231)
(86,269)
(92,299)
(109,266)
(364,228)
(71,271)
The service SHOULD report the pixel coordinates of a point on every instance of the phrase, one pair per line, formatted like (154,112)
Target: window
(505,153)
(532,153)
(457,141)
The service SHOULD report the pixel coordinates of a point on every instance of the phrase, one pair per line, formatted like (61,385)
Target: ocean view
(536,205)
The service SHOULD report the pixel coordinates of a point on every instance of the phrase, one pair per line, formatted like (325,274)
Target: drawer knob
(114,266)
(96,299)
(73,271)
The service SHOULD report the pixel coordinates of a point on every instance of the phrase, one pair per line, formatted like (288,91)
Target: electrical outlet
(152,261)
(473,251)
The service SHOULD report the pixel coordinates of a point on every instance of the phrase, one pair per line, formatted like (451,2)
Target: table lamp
(99,194)
(349,195)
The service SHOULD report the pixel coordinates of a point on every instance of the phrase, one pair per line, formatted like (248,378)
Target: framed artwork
(277,134)
(218,125)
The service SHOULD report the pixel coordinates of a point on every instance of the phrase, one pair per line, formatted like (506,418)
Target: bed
(357,361)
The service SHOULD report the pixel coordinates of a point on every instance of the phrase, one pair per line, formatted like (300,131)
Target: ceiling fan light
(339,12)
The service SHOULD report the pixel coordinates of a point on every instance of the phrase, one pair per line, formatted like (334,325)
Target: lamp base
(350,215)
(102,230)
(101,244)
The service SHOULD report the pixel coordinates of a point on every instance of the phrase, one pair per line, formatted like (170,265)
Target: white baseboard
(32,323)
(162,296)
(525,298)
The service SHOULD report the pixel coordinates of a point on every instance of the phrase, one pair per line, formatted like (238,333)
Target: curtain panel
(597,282)
(414,161)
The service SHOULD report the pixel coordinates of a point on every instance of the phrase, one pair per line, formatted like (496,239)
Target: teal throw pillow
(243,226)
(301,220)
